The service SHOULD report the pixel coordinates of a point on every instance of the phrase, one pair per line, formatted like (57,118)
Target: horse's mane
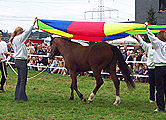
(69,40)
(66,39)
(63,38)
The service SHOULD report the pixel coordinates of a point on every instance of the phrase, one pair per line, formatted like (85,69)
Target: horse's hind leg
(99,82)
(73,76)
(116,84)
(112,70)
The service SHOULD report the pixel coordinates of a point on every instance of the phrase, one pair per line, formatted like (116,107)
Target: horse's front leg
(99,82)
(73,76)
(72,92)
(116,84)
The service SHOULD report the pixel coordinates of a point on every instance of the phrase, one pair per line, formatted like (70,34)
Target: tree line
(33,35)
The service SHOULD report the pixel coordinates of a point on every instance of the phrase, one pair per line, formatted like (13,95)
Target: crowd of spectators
(38,60)
(137,62)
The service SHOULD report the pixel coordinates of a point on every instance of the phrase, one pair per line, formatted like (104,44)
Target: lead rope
(30,77)
(38,73)
(12,68)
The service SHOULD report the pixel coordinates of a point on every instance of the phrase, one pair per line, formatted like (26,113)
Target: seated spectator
(60,67)
(135,57)
(39,46)
(136,68)
(40,63)
(125,51)
(117,69)
(144,58)
(34,63)
(10,49)
(54,64)
(141,72)
(35,47)
(30,48)
(124,56)
(146,73)
(132,52)
(42,51)
(129,58)
(37,59)
(56,69)
(139,55)
(29,61)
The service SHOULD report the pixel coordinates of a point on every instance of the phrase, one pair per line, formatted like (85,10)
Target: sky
(22,13)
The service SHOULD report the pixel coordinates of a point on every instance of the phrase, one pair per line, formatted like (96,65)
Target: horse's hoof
(70,99)
(115,104)
(89,101)
(83,100)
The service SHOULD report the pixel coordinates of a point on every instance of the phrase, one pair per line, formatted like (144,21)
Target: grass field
(48,96)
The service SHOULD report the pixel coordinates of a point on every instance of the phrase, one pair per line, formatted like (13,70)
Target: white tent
(124,41)
(118,42)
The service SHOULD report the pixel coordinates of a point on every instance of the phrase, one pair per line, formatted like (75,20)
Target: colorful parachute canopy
(90,31)
(153,28)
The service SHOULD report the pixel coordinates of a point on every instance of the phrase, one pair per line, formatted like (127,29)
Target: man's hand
(50,61)
(1,59)
(135,37)
(4,53)
(34,21)
(146,25)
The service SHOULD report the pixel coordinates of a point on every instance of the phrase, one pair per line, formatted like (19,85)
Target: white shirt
(160,49)
(150,53)
(3,48)
(19,46)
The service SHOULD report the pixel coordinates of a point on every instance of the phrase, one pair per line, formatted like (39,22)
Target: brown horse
(94,58)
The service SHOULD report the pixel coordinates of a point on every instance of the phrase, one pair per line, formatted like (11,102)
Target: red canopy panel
(34,41)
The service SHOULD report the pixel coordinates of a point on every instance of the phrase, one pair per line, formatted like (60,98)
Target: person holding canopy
(159,44)
(17,39)
(150,63)
(3,52)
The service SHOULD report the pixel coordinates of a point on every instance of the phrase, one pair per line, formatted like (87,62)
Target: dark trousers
(160,73)
(20,92)
(151,74)
(3,70)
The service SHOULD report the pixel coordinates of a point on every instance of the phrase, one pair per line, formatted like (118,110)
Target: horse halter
(53,49)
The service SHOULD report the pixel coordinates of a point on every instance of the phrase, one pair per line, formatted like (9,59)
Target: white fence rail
(103,73)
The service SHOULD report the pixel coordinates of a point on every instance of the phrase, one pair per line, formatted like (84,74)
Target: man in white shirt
(159,44)
(17,39)
(150,63)
(3,52)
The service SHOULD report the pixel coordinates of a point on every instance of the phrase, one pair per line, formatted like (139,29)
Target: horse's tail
(127,73)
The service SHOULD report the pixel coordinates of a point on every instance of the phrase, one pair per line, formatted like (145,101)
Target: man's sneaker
(158,109)
(151,101)
(2,89)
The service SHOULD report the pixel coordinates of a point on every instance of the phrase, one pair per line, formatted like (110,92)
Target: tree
(151,19)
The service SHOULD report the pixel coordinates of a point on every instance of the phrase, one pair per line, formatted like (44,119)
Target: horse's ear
(51,37)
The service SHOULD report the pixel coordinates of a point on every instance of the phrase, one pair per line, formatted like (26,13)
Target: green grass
(48,96)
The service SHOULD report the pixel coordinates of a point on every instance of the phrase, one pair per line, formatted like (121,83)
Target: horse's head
(54,50)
